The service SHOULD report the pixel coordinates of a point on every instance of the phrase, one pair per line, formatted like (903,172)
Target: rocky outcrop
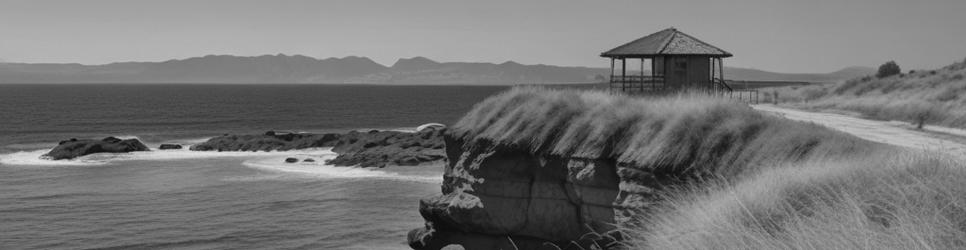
(74,148)
(382,148)
(270,141)
(365,149)
(169,146)
(499,196)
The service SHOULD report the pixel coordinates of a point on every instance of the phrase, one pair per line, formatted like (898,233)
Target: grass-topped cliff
(680,134)
(694,173)
(930,96)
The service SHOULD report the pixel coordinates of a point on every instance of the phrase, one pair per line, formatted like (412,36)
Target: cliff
(532,166)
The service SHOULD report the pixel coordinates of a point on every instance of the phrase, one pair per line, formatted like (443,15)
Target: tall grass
(749,180)
(932,96)
(686,134)
(885,201)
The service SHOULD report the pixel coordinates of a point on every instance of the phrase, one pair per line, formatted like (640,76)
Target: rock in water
(170,146)
(74,148)
(291,160)
(372,148)
(308,160)
(383,148)
(268,141)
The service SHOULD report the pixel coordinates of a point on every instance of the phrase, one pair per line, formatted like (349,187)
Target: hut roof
(666,42)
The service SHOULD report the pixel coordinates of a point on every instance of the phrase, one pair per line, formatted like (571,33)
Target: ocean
(181,199)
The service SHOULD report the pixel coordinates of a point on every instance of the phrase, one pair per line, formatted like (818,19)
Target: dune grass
(932,96)
(752,181)
(885,201)
(687,134)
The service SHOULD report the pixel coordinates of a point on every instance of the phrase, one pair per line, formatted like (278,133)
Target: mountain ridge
(281,68)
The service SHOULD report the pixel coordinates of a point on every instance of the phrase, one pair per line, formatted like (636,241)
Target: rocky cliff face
(490,191)
(541,169)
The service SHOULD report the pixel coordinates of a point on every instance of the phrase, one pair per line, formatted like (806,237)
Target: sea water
(182,199)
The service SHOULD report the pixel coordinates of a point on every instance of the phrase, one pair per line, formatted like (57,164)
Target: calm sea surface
(207,200)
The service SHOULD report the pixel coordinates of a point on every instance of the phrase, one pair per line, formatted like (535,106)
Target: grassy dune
(752,180)
(935,96)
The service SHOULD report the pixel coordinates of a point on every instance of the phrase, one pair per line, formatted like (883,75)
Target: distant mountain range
(302,69)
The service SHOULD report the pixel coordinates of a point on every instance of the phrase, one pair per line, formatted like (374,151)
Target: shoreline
(356,148)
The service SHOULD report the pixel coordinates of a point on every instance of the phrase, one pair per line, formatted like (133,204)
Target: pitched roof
(666,42)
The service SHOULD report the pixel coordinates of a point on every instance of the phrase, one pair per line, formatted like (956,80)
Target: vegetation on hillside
(753,180)
(921,97)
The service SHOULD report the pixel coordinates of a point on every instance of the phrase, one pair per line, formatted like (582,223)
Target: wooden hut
(677,61)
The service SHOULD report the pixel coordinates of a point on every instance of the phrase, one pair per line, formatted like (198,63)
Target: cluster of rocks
(294,160)
(73,148)
(269,141)
(365,149)
(374,148)
(382,148)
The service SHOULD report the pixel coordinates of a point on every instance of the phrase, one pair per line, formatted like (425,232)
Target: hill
(926,96)
(302,69)
(760,75)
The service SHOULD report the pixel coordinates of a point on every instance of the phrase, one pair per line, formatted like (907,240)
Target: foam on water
(33,158)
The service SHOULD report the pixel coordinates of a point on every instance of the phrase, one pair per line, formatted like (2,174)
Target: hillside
(760,75)
(929,96)
(301,69)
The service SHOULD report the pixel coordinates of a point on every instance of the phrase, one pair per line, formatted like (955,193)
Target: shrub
(814,93)
(888,69)
(922,112)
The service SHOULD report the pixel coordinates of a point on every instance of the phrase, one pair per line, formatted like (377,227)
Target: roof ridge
(668,40)
(705,43)
(635,41)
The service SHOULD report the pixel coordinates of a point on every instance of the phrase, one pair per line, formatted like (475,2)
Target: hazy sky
(786,36)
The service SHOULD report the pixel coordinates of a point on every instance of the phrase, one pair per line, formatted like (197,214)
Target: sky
(784,36)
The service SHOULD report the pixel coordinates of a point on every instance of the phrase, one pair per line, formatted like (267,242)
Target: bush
(888,69)
(922,112)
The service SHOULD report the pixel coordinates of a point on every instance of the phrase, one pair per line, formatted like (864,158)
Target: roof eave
(725,55)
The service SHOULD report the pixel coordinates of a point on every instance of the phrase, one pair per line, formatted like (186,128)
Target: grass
(888,201)
(682,135)
(933,96)
(734,178)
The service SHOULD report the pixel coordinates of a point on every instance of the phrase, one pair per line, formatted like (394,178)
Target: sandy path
(879,131)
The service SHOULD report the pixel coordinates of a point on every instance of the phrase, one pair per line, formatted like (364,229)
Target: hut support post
(642,76)
(623,74)
(712,76)
(610,81)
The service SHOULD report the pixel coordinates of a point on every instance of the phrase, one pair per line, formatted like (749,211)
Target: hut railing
(722,88)
(636,83)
